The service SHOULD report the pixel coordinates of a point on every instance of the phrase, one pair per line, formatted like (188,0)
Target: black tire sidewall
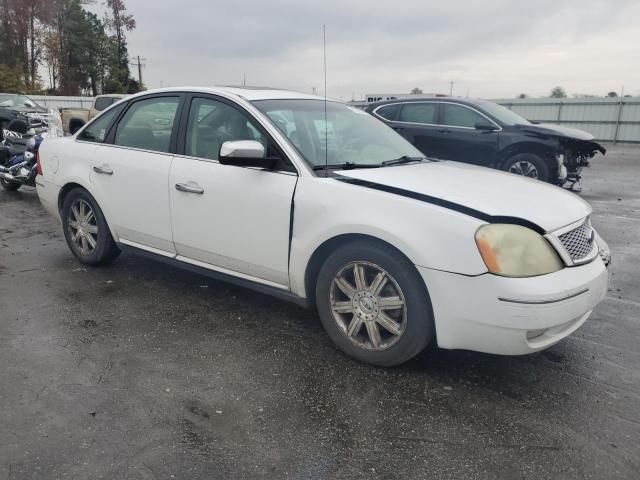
(10,186)
(419,330)
(106,249)
(544,174)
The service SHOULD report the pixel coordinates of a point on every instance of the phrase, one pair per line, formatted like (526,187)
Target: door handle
(189,188)
(445,132)
(104,170)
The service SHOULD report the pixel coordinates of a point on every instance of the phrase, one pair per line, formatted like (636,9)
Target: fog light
(531,334)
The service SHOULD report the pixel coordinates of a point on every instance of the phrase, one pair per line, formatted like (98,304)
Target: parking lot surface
(143,371)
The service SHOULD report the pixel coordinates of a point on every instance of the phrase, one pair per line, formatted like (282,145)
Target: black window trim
(184,120)
(438,114)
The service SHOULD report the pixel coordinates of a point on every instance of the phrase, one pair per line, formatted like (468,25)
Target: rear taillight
(38,164)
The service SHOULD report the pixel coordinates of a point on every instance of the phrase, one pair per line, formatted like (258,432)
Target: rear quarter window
(97,130)
(388,112)
(102,103)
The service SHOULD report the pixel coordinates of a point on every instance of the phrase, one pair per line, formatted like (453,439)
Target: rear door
(417,122)
(460,138)
(229,218)
(130,172)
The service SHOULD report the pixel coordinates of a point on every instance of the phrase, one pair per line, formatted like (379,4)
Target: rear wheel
(74,128)
(528,165)
(373,304)
(86,229)
(9,185)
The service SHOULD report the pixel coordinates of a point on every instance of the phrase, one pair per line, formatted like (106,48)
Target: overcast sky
(489,48)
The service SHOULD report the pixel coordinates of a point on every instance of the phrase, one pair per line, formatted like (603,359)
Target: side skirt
(241,282)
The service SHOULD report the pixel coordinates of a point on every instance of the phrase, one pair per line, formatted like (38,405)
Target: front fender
(428,235)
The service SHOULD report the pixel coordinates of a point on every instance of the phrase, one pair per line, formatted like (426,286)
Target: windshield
(16,101)
(349,136)
(504,115)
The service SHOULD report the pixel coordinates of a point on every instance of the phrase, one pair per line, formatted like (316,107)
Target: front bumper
(513,316)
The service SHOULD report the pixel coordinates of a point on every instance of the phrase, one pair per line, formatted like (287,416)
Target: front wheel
(374,304)
(9,185)
(86,229)
(528,165)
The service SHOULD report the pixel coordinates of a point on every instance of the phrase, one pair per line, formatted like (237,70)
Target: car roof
(418,98)
(246,93)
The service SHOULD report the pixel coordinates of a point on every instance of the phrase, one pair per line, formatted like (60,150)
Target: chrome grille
(578,242)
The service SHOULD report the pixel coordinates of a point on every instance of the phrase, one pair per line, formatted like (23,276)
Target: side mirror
(486,127)
(245,153)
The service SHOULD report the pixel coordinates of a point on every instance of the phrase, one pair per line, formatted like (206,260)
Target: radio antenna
(326,126)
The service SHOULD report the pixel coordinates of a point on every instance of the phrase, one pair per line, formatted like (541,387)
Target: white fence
(607,119)
(63,102)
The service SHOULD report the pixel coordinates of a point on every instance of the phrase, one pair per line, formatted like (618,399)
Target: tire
(360,314)
(528,165)
(86,230)
(9,185)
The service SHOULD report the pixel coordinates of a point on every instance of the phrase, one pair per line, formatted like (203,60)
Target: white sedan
(320,203)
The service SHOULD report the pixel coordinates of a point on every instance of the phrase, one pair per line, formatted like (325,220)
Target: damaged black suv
(487,134)
(20,107)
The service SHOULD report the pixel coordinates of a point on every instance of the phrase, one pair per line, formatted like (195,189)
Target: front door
(460,139)
(130,173)
(233,219)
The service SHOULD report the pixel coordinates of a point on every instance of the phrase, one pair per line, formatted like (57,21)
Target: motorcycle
(18,156)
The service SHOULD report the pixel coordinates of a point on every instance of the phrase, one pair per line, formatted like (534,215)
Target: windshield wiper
(402,160)
(345,166)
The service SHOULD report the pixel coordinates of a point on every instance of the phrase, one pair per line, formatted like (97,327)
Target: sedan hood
(36,109)
(491,192)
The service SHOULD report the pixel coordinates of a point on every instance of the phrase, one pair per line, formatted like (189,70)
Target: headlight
(515,251)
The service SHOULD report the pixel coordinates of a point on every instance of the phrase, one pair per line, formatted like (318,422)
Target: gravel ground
(144,371)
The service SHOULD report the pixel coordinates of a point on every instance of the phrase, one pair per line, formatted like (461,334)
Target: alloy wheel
(524,168)
(368,305)
(83,227)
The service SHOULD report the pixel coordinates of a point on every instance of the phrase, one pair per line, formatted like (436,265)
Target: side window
(211,123)
(419,113)
(459,116)
(102,103)
(98,129)
(148,124)
(389,112)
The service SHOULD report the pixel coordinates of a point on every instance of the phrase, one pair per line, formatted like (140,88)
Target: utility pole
(137,62)
(451,89)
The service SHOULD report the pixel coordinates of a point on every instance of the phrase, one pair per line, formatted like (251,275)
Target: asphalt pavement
(144,371)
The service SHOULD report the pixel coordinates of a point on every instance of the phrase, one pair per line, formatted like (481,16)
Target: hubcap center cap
(365,305)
